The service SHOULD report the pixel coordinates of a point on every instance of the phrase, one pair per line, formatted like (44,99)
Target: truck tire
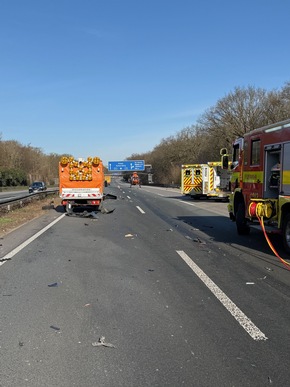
(286,233)
(241,221)
(68,208)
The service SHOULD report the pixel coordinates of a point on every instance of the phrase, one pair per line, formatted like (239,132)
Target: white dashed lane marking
(140,209)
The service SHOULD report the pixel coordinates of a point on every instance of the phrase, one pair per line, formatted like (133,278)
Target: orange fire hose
(261,220)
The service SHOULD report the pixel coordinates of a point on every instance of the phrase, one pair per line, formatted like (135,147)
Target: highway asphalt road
(179,297)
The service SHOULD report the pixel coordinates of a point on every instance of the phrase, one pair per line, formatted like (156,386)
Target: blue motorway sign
(126,165)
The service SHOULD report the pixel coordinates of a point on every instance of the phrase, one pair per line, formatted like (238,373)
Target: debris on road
(54,327)
(198,240)
(5,259)
(85,214)
(90,214)
(106,211)
(268,268)
(53,285)
(101,343)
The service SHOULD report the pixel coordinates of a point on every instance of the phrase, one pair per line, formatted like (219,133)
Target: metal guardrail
(7,205)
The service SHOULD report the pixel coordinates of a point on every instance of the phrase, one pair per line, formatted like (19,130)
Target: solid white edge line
(28,241)
(140,209)
(240,317)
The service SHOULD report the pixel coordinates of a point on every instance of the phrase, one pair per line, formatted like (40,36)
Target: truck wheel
(68,208)
(241,221)
(286,233)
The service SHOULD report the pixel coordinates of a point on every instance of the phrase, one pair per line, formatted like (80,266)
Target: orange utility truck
(260,181)
(81,182)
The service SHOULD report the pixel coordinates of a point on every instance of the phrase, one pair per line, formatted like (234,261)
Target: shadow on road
(221,229)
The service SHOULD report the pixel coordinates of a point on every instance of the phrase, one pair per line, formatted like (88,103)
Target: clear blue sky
(110,78)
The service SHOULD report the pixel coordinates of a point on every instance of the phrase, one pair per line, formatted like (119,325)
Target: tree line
(240,111)
(20,164)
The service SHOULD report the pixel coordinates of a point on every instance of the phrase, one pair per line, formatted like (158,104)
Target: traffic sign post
(126,165)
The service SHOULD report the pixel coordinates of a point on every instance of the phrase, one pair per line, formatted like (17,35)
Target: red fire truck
(260,181)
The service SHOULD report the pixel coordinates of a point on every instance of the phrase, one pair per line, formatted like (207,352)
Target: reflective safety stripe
(286,182)
(187,180)
(253,177)
(197,186)
(80,196)
(187,188)
(187,183)
(286,177)
(211,179)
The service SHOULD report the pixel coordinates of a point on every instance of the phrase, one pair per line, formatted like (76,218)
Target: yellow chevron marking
(211,179)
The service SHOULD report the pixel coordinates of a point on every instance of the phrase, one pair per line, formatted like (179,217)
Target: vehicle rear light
(94,202)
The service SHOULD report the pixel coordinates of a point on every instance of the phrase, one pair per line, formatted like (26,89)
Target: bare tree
(276,107)
(237,113)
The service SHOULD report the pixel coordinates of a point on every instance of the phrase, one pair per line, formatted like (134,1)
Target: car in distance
(37,186)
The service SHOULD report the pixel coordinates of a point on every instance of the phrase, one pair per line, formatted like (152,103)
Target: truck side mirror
(225,161)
